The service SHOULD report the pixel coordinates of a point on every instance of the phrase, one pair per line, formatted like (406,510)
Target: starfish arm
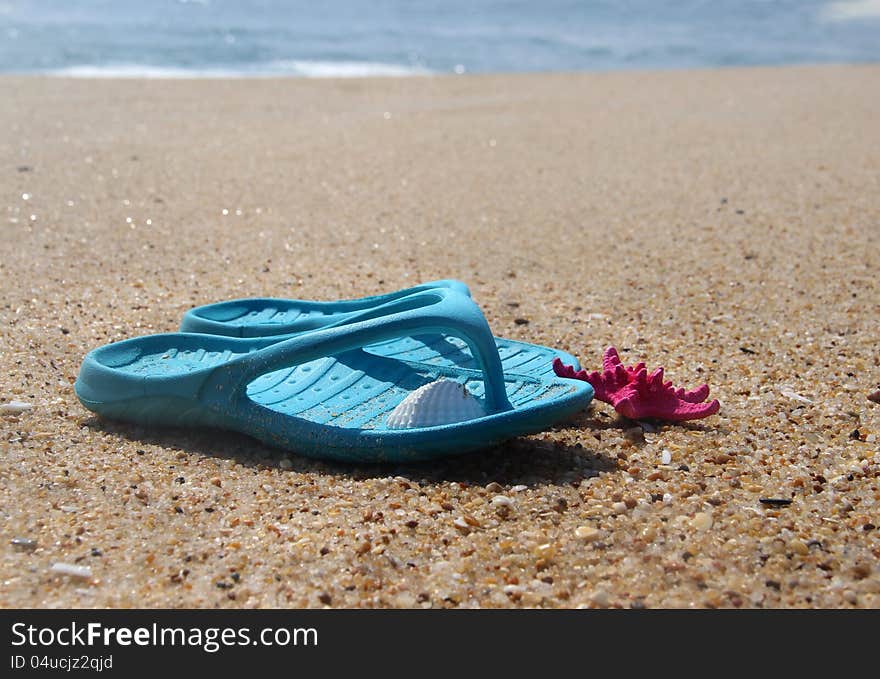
(561,369)
(568,371)
(697,395)
(693,411)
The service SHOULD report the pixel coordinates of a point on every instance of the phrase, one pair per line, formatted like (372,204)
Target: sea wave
(302,68)
(851,10)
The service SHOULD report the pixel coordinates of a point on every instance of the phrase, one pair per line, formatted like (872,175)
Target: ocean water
(184,38)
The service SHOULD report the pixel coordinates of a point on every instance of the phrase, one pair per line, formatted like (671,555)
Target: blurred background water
(168,38)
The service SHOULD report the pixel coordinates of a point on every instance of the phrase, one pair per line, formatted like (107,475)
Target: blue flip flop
(281,318)
(319,393)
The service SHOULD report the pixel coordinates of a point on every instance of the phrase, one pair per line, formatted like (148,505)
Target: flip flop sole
(334,407)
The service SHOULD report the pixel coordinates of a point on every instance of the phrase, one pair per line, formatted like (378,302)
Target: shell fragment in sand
(74,571)
(788,392)
(15,407)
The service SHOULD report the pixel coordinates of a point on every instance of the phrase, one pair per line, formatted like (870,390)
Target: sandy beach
(722,223)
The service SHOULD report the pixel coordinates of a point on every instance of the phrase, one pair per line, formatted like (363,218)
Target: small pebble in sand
(503,505)
(774,502)
(799,547)
(24,543)
(600,598)
(15,408)
(702,521)
(874,396)
(666,456)
(74,571)
(587,533)
(546,550)
(502,501)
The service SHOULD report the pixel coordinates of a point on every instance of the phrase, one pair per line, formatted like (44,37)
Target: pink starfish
(637,395)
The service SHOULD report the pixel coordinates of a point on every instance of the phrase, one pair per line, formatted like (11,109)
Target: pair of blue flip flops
(327,379)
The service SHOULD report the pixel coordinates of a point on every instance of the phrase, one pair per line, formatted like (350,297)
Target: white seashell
(788,392)
(74,571)
(15,407)
(435,404)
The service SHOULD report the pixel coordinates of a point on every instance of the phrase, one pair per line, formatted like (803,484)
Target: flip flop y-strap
(439,310)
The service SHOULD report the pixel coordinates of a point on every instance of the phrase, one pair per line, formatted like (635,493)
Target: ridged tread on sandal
(319,393)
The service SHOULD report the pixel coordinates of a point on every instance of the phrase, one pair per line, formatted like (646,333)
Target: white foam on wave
(302,68)
(138,71)
(347,69)
(851,10)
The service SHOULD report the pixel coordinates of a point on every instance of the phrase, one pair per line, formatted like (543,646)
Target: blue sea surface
(183,38)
